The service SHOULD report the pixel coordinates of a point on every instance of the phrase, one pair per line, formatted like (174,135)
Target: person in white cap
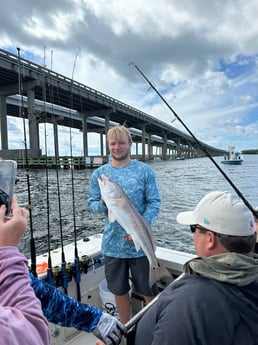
(216,300)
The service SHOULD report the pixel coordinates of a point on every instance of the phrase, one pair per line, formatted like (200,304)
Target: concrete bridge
(31,91)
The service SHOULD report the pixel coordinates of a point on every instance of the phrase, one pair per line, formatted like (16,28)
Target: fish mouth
(104,178)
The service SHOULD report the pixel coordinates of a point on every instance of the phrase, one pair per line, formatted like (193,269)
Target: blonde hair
(119,132)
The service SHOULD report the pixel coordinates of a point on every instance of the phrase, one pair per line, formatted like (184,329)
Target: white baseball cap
(222,213)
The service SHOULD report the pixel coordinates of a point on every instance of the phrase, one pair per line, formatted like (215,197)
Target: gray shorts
(118,271)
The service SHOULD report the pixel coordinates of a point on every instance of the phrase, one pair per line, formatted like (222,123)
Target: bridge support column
(164,147)
(136,149)
(3,123)
(150,149)
(102,145)
(178,149)
(189,153)
(107,119)
(85,135)
(33,126)
(143,142)
(56,144)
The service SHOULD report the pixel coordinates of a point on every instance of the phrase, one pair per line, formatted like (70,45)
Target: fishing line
(254,212)
(77,270)
(22,115)
(64,276)
(49,267)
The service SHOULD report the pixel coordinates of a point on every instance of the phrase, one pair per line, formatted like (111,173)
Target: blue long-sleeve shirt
(139,183)
(64,310)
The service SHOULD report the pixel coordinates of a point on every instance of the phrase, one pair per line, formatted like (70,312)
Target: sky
(201,55)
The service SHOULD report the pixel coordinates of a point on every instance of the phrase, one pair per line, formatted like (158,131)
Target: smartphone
(7,181)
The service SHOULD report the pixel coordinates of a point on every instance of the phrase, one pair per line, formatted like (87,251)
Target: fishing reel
(84,263)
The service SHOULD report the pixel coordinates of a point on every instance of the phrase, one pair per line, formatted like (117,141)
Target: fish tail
(157,272)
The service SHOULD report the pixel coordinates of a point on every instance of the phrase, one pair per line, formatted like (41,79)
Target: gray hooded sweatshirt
(215,302)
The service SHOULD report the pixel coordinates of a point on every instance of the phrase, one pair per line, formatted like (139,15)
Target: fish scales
(121,209)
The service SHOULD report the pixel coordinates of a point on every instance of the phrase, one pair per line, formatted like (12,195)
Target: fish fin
(136,243)
(137,246)
(158,271)
(111,216)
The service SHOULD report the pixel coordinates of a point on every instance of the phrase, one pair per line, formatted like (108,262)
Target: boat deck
(92,266)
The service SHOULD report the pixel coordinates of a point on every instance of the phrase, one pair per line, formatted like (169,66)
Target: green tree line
(250,152)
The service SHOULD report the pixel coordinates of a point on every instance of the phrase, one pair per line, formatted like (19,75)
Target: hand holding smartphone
(7,182)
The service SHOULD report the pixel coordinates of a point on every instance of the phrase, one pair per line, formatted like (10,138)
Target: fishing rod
(22,115)
(64,275)
(77,269)
(49,266)
(249,206)
(130,325)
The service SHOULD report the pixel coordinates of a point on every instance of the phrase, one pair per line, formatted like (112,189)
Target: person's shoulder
(136,162)
(195,285)
(101,170)
(190,290)
(140,165)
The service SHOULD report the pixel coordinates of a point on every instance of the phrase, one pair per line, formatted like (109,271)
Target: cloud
(201,58)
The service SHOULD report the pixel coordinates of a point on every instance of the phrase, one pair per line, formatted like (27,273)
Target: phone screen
(7,182)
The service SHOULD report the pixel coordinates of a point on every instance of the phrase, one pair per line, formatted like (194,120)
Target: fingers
(2,212)
(24,213)
(18,211)
(14,203)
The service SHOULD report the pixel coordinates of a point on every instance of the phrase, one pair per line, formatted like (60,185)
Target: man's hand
(109,329)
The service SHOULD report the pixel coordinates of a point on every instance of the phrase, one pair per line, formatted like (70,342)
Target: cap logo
(206,221)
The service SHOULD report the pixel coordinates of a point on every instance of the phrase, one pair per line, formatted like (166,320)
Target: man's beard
(123,157)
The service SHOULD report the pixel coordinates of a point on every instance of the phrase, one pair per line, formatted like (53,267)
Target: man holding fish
(126,191)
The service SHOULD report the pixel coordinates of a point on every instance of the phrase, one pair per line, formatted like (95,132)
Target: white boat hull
(232,162)
(89,285)
(232,157)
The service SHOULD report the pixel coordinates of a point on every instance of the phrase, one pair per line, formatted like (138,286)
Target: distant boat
(232,156)
(180,158)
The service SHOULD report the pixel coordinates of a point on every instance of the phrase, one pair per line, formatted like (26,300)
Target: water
(181,185)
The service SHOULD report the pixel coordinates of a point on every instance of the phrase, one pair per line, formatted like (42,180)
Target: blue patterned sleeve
(152,206)
(64,310)
(95,204)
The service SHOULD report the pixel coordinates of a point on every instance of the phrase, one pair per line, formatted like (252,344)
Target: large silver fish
(121,209)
